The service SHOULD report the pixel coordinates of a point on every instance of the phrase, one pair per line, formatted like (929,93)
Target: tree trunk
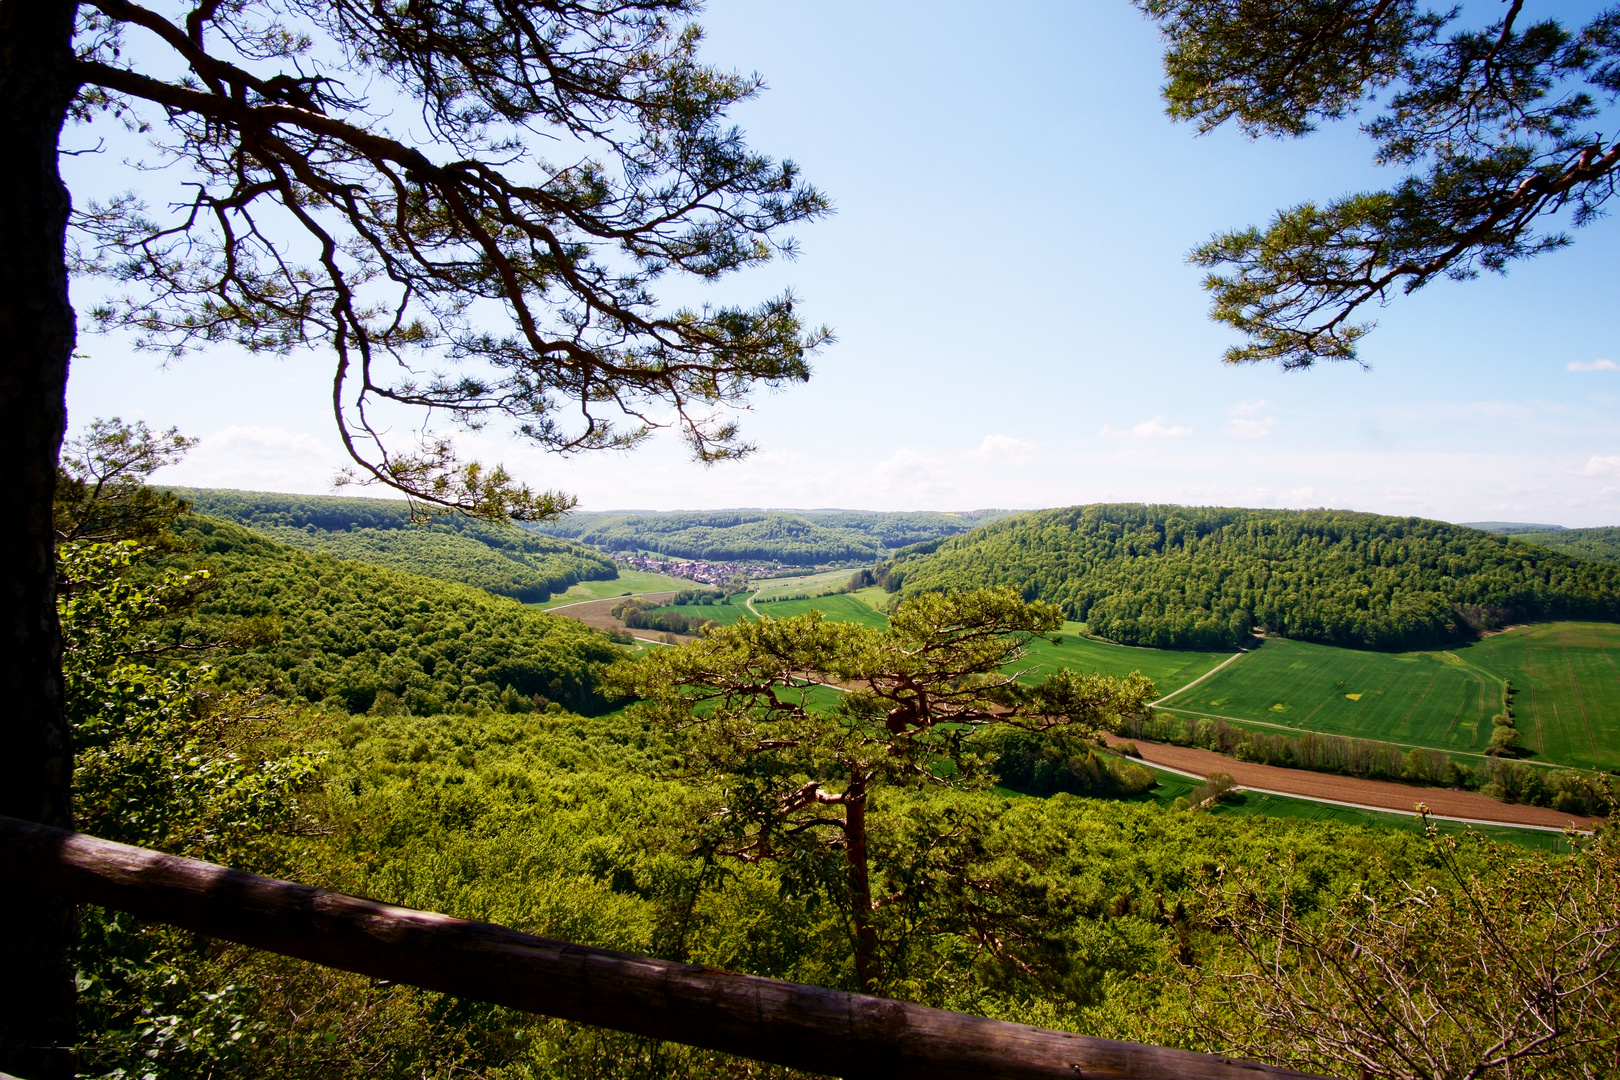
(36,340)
(860,883)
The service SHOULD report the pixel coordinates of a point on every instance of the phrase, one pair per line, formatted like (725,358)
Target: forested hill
(796,538)
(505,560)
(365,638)
(1205,577)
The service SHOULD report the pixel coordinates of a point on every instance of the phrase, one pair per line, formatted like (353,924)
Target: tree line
(1209,577)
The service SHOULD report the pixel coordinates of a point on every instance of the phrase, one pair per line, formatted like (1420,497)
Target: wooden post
(805,1027)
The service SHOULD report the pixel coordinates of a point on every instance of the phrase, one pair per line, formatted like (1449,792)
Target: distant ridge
(1510,528)
(789,537)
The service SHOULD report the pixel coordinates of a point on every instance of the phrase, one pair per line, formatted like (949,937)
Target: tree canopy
(796,538)
(1501,125)
(309,221)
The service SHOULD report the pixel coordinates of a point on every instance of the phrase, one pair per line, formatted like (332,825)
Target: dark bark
(36,342)
(860,882)
(805,1027)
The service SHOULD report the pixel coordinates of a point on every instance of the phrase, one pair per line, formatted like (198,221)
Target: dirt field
(598,614)
(1350,789)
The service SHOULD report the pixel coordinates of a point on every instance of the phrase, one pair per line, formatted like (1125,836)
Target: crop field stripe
(1324,702)
(1462,703)
(1575,684)
(1401,724)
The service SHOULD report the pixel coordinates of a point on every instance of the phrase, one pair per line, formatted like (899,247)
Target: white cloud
(1245,428)
(1155,428)
(1004,449)
(1595,365)
(1602,466)
(1247,408)
(261,459)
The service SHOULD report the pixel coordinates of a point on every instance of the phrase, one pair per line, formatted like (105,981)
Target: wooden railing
(805,1027)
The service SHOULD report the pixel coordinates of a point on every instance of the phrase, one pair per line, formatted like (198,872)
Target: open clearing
(628,581)
(1566,677)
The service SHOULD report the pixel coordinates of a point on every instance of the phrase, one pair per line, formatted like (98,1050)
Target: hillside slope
(362,637)
(505,560)
(1206,577)
(795,538)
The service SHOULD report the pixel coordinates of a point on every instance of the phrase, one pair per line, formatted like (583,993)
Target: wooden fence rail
(806,1027)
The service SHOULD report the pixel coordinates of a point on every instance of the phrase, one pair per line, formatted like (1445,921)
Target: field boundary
(1296,731)
(1201,678)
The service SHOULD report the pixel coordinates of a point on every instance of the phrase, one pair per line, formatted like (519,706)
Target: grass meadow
(803,588)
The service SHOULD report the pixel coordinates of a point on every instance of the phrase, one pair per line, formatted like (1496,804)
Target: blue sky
(1017,323)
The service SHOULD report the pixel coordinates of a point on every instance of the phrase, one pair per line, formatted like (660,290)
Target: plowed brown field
(1352,789)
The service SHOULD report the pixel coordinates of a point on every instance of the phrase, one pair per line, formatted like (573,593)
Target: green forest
(796,538)
(1206,577)
(507,560)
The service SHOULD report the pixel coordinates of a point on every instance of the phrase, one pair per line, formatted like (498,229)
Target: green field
(725,614)
(628,582)
(1567,681)
(839,608)
(802,588)
(1566,675)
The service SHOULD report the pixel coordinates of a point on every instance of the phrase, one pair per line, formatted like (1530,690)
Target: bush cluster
(639,615)
(1036,764)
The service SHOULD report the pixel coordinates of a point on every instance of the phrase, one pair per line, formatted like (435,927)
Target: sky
(1017,326)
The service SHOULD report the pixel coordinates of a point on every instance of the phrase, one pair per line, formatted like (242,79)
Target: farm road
(1351,789)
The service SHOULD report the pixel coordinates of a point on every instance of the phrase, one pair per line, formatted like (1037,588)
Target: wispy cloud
(1004,449)
(1595,365)
(1156,428)
(1246,428)
(1247,423)
(1602,465)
